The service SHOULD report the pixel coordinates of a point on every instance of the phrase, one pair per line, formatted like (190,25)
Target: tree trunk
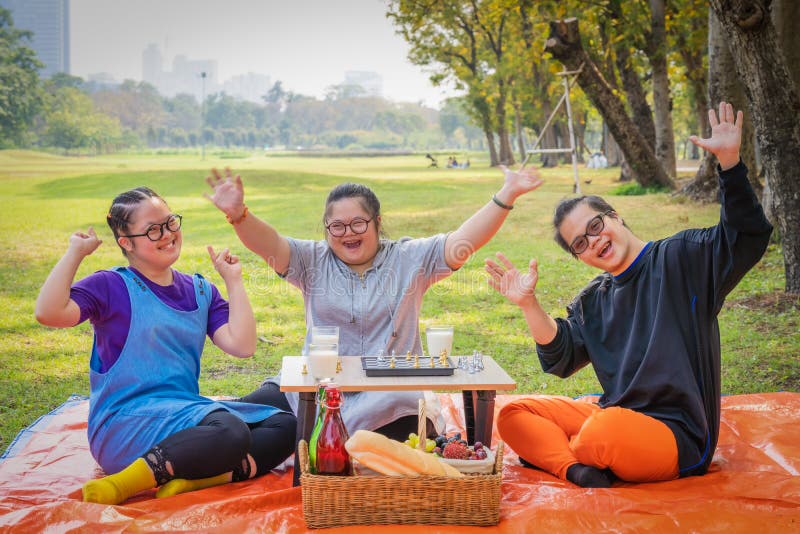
(662,101)
(549,139)
(565,45)
(518,127)
(723,85)
(636,95)
(785,14)
(775,110)
(506,152)
(493,161)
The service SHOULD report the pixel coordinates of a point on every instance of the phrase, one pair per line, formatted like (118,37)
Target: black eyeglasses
(156,231)
(593,228)
(357,225)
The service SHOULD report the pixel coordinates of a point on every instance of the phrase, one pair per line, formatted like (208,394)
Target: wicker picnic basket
(335,501)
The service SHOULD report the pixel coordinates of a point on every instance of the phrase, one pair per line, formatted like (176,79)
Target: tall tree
(450,36)
(723,85)
(564,44)
(662,101)
(20,90)
(775,109)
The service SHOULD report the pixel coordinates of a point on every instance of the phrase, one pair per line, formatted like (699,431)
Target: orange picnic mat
(753,486)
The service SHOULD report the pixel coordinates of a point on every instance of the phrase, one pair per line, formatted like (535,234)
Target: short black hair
(367,198)
(123,206)
(566,206)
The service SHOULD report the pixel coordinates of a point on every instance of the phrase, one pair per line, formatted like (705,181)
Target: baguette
(392,458)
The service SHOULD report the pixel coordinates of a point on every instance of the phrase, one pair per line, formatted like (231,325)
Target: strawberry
(456,451)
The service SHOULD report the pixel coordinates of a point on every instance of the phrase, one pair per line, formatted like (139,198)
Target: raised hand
(84,243)
(520,182)
(519,288)
(226,264)
(726,135)
(227,193)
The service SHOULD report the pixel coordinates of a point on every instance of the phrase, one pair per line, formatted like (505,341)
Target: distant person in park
(369,286)
(647,325)
(148,424)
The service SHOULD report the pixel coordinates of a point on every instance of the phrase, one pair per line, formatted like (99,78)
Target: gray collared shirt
(378,310)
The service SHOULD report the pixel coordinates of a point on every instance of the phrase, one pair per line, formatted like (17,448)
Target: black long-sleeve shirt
(651,333)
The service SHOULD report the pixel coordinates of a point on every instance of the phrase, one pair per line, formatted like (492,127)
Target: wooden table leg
(484,416)
(306,411)
(469,415)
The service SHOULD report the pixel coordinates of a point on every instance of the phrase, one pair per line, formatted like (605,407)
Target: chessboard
(403,367)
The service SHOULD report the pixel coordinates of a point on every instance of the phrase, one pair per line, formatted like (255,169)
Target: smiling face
(356,250)
(612,250)
(144,254)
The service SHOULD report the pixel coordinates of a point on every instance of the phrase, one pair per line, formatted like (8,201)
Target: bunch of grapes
(413,442)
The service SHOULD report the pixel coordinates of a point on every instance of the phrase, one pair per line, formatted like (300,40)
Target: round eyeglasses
(357,225)
(156,231)
(593,228)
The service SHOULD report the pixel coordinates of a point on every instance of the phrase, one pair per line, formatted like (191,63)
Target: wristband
(501,203)
(240,219)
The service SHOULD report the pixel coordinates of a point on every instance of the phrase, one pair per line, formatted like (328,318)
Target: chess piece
(433,362)
(339,365)
(408,355)
(416,361)
(392,363)
(304,370)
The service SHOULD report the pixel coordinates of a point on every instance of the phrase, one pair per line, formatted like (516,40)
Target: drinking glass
(325,335)
(439,338)
(322,359)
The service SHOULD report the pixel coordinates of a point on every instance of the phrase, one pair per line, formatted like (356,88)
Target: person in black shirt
(647,325)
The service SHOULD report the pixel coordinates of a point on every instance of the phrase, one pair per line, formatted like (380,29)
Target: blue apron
(151,392)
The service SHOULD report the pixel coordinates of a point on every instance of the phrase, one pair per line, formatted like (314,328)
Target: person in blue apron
(148,424)
(368,286)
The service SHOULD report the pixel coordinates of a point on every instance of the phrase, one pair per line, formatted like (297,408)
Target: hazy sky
(307,44)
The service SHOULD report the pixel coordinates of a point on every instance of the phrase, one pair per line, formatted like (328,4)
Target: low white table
(478,389)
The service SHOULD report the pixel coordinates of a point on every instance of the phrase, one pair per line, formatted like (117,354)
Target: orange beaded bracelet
(240,219)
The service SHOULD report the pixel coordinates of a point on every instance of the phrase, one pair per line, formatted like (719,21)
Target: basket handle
(422,426)
(302,450)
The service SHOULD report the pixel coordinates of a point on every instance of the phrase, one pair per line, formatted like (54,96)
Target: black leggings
(399,429)
(220,443)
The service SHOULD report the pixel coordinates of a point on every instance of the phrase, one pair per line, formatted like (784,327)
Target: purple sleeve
(94,295)
(217,312)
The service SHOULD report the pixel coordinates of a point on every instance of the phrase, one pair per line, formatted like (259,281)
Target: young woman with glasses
(647,325)
(148,424)
(368,286)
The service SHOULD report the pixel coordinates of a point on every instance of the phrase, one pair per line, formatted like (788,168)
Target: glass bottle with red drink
(332,457)
(312,443)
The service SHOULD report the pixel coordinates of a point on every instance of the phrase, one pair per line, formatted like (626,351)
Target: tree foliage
(20,90)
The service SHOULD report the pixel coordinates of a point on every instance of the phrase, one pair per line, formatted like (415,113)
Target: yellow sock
(118,487)
(182,485)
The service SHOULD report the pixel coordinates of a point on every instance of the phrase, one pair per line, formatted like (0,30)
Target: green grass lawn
(47,197)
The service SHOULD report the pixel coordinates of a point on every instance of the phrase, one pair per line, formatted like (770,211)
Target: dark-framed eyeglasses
(357,225)
(156,231)
(593,228)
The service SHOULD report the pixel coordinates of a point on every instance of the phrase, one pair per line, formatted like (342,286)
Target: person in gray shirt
(368,286)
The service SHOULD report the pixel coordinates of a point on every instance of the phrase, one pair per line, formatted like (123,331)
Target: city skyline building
(49,22)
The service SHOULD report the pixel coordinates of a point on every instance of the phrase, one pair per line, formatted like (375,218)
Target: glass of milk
(439,337)
(325,335)
(322,358)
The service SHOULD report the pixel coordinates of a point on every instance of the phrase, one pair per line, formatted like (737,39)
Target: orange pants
(554,433)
